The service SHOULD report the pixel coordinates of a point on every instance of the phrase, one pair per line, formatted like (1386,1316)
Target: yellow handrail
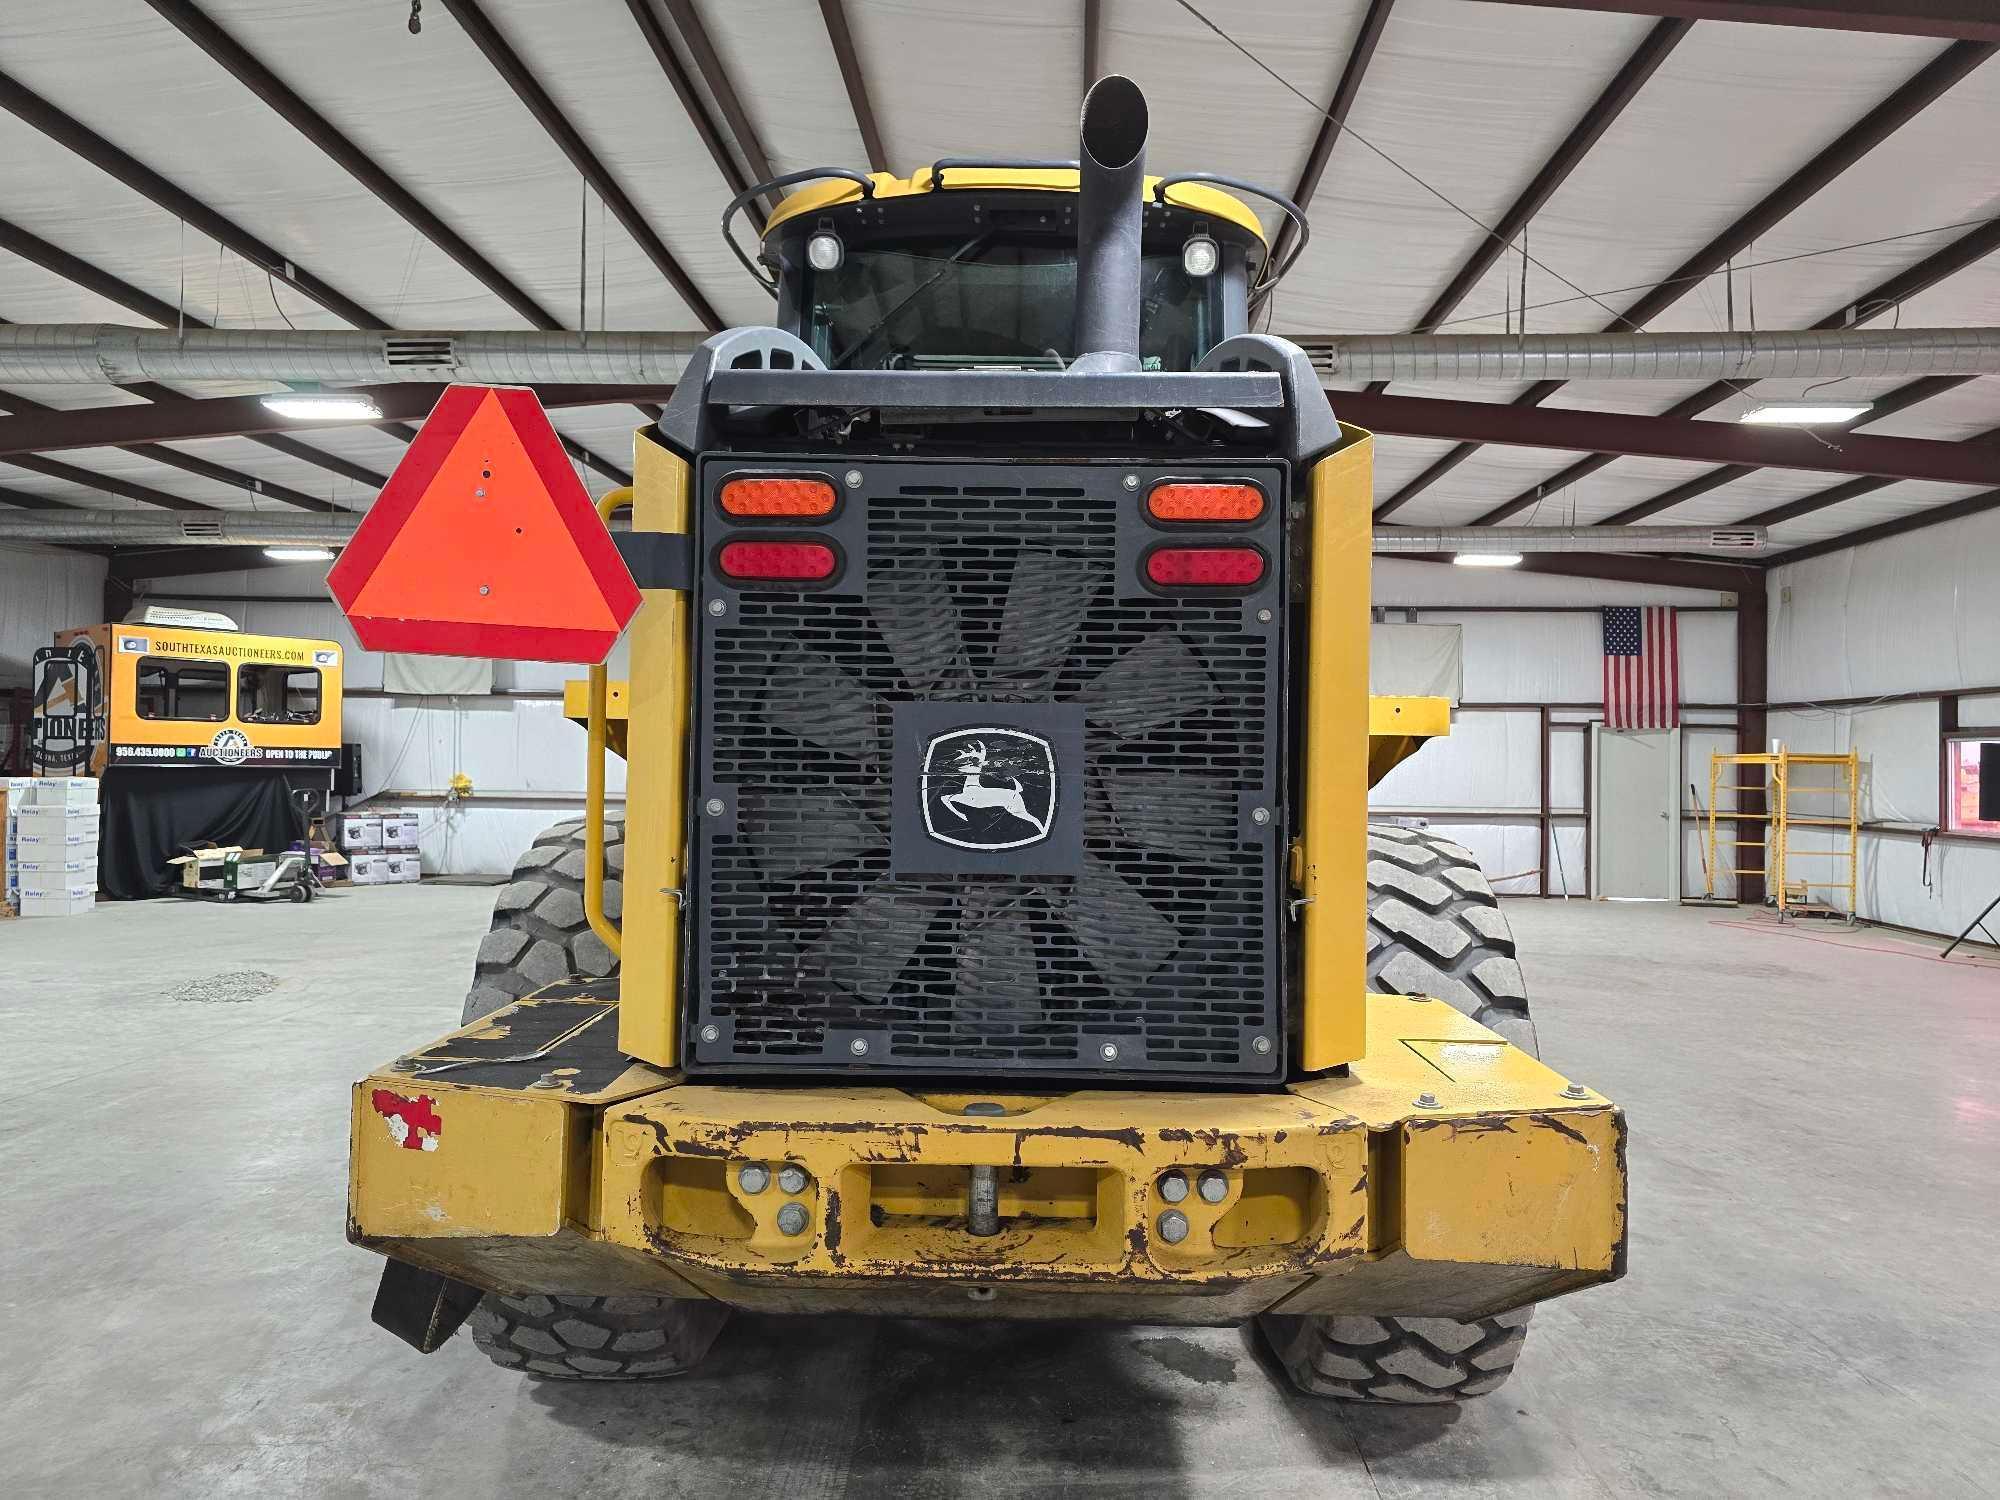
(593,785)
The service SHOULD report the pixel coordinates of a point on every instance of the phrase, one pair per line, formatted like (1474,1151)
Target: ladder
(1788,805)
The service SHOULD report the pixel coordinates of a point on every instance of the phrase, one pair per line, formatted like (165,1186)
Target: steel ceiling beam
(535,99)
(31,109)
(242,416)
(1968,249)
(1854,489)
(847,57)
(708,64)
(237,61)
(1345,92)
(1961,20)
(110,484)
(1093,43)
(1668,437)
(1938,515)
(1883,406)
(1604,110)
(127,170)
(692,104)
(60,262)
(1922,89)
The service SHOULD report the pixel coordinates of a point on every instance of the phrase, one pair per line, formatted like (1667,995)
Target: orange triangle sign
(485,543)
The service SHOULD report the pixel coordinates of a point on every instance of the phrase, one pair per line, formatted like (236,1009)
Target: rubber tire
(597,1338)
(1434,928)
(540,935)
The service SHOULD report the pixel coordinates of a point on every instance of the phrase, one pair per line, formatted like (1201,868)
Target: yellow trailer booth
(196,733)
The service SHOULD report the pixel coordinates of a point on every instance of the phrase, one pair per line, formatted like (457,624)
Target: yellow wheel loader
(993,929)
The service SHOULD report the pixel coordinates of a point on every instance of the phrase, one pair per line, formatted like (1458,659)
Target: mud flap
(422,1308)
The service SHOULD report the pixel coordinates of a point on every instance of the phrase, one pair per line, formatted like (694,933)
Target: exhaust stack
(1111,179)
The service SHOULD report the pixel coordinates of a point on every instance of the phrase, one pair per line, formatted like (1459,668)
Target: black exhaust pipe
(1110,210)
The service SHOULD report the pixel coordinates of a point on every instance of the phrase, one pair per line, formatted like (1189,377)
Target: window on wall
(267,694)
(1963,762)
(172,689)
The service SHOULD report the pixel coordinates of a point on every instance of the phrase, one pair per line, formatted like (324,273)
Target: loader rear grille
(1137,935)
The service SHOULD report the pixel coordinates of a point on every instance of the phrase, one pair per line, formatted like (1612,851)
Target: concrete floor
(1811,1308)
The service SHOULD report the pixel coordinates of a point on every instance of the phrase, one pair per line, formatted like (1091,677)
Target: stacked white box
(399,830)
(359,832)
(17,798)
(368,869)
(53,845)
(413,867)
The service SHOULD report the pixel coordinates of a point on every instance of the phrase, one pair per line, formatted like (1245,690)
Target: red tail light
(1204,567)
(778,495)
(802,562)
(1205,502)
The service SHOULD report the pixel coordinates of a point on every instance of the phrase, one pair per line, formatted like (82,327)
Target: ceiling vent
(421,352)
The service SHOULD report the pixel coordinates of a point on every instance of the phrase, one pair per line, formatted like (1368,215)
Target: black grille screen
(1090,889)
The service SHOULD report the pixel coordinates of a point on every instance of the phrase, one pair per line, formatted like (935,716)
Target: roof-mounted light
(1200,255)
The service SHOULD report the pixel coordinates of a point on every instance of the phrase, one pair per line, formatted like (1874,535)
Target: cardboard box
(51,866)
(360,831)
(368,869)
(413,867)
(58,898)
(399,830)
(62,791)
(60,827)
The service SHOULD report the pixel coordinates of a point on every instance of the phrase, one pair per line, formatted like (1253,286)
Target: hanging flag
(1642,667)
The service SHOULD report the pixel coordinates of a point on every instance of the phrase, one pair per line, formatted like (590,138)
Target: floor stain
(1185,1357)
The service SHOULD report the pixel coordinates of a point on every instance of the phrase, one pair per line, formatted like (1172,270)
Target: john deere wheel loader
(994,929)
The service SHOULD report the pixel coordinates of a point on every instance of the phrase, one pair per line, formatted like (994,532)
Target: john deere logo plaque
(989,788)
(230,747)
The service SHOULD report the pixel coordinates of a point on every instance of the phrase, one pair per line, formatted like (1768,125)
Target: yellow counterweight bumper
(1445,1174)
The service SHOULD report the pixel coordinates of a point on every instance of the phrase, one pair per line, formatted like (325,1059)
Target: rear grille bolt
(1173,1187)
(1109,1052)
(1427,1101)
(1173,1226)
(859,1046)
(1214,1187)
(717,607)
(791,1179)
(713,807)
(1260,815)
(711,1033)
(1576,1091)
(1261,1045)
(853,479)
(753,1178)
(1131,481)
(793,1218)
(1263,617)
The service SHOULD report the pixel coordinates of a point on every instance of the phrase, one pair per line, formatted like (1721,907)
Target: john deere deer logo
(989,788)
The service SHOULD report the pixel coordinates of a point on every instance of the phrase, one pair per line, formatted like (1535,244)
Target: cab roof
(1195,197)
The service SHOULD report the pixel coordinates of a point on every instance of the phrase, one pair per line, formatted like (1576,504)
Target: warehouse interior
(1712,682)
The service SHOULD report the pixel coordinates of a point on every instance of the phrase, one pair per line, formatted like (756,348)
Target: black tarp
(150,812)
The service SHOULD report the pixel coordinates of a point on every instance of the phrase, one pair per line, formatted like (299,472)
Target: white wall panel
(41,592)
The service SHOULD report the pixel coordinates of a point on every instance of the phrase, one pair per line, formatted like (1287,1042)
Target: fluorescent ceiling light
(1487,559)
(1806,413)
(299,554)
(324,406)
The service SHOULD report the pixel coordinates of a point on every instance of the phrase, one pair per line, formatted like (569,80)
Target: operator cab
(973,265)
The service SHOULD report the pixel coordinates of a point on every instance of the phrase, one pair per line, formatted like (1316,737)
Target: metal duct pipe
(1732,540)
(1889,353)
(96,353)
(1110,213)
(100,353)
(129,528)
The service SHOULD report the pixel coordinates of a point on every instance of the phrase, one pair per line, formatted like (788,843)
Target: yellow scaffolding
(1779,789)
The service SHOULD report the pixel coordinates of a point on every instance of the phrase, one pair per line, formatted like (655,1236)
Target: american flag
(1642,668)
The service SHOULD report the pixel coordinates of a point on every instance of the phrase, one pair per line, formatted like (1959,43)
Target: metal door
(1635,843)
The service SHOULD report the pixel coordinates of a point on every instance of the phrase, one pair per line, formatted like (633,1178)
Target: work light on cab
(778,562)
